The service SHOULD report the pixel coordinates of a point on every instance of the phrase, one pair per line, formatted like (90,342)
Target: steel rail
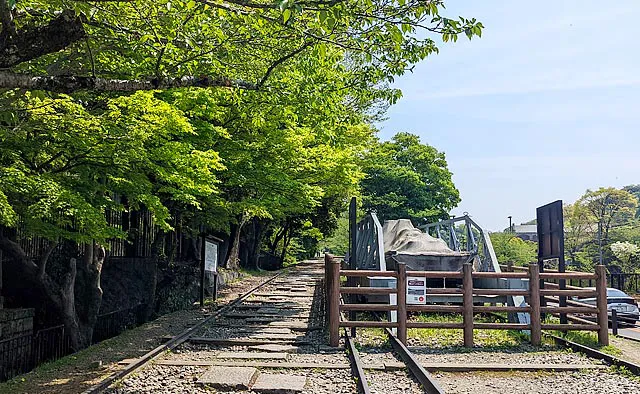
(356,364)
(426,380)
(593,353)
(357,369)
(172,343)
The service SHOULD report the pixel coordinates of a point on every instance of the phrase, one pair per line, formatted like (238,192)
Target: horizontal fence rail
(541,301)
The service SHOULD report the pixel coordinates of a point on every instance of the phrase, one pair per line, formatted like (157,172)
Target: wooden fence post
(333,299)
(401,286)
(327,283)
(534,303)
(601,300)
(467,303)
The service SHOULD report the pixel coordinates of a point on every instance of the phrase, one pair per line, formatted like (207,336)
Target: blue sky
(544,106)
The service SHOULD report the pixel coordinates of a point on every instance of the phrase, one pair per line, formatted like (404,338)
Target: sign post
(209,265)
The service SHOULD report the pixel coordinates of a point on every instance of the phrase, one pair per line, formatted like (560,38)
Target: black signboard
(550,222)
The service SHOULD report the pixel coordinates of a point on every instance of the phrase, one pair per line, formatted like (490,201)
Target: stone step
(246,341)
(283,296)
(275,348)
(277,337)
(272,316)
(265,330)
(294,325)
(272,319)
(279,305)
(271,302)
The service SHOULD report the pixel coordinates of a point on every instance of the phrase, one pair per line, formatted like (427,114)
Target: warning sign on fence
(416,290)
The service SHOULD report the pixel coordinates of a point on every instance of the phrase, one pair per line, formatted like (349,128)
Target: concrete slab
(253,355)
(245,341)
(263,319)
(279,384)
(281,296)
(264,330)
(273,347)
(289,324)
(272,330)
(275,337)
(269,311)
(229,378)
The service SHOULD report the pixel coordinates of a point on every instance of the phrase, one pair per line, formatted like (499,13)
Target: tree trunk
(285,243)
(274,245)
(233,257)
(255,246)
(88,290)
(77,319)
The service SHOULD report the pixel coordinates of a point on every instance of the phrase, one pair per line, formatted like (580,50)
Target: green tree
(407,179)
(510,248)
(61,169)
(580,230)
(610,207)
(628,255)
(635,190)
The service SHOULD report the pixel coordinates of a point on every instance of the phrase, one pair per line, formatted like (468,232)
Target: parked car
(626,307)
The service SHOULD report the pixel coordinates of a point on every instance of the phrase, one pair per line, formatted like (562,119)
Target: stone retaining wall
(16,322)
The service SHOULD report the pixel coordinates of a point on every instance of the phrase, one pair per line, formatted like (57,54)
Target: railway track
(272,339)
(170,344)
(389,370)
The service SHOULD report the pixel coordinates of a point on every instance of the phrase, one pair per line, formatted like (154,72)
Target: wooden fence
(534,294)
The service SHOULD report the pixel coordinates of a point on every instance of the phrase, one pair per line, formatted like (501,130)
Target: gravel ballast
(592,382)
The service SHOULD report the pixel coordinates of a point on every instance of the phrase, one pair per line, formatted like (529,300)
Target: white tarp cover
(401,237)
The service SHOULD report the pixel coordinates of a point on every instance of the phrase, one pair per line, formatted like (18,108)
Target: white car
(625,306)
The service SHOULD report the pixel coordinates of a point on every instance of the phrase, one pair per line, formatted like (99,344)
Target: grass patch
(589,339)
(371,337)
(445,337)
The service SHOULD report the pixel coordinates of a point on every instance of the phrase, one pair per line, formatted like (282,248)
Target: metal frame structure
(369,251)
(480,245)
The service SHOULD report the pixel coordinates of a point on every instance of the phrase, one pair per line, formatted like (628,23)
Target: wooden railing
(534,294)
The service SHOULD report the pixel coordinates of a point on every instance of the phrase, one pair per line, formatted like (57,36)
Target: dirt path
(630,349)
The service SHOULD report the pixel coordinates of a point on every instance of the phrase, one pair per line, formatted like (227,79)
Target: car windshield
(616,293)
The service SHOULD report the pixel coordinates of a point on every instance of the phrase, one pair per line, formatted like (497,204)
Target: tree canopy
(510,248)
(68,45)
(407,179)
(605,216)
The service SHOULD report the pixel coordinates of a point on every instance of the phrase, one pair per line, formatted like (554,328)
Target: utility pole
(510,226)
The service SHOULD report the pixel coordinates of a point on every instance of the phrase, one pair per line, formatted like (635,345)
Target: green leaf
(286,14)
(322,16)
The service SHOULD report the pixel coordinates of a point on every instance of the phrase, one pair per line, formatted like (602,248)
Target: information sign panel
(416,290)
(211,256)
